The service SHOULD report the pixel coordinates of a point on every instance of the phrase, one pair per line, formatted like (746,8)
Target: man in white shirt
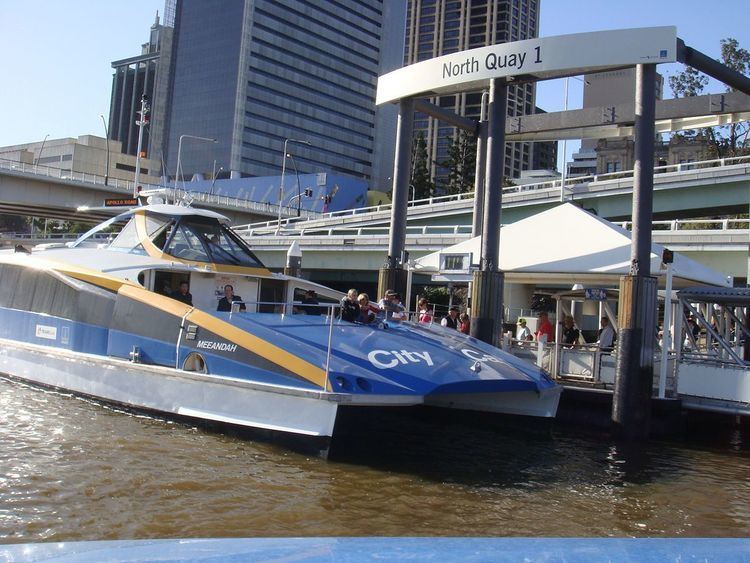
(522,332)
(606,335)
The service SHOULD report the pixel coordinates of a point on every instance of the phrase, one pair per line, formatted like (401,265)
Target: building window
(129,168)
(613,166)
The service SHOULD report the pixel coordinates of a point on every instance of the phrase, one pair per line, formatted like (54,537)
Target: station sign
(530,60)
(595,294)
(121,202)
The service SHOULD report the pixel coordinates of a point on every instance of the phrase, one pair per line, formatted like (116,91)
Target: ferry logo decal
(46,332)
(218,346)
(384,359)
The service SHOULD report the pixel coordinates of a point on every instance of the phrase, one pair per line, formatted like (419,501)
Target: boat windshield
(205,240)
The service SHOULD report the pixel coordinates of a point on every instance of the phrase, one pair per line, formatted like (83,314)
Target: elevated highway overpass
(340,254)
(35,190)
(697,189)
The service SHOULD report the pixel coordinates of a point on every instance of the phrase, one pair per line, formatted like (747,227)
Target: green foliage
(14,224)
(687,83)
(724,141)
(461,163)
(420,178)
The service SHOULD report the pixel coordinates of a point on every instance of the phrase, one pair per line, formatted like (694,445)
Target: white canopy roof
(566,244)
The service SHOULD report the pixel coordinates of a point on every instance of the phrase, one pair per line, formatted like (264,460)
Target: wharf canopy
(565,244)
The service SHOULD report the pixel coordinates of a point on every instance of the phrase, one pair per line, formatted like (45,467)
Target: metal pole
(666,340)
(299,190)
(283,173)
(41,149)
(634,377)
(179,155)
(213,181)
(478,217)
(281,188)
(141,124)
(487,282)
(392,275)
(564,150)
(106,139)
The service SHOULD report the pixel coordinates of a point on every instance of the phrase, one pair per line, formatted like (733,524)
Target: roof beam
(712,67)
(617,121)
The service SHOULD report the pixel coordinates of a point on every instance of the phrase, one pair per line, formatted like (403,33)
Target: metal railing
(175,194)
(71,175)
(549,185)
(361,231)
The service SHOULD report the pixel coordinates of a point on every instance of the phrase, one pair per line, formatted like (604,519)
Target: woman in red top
(544,329)
(465,325)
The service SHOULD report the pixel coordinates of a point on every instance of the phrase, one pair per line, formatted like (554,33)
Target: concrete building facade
(86,154)
(133,78)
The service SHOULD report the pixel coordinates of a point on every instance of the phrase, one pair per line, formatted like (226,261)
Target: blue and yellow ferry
(104,320)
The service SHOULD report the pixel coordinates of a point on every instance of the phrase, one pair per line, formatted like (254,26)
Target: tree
(724,141)
(420,170)
(461,163)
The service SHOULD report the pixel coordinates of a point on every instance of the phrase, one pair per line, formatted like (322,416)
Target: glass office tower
(253,73)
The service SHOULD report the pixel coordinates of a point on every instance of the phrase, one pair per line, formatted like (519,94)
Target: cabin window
(128,241)
(206,240)
(186,244)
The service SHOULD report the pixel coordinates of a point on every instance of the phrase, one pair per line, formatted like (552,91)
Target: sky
(57,54)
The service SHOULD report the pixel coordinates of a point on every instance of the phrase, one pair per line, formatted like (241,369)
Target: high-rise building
(440,27)
(135,77)
(255,73)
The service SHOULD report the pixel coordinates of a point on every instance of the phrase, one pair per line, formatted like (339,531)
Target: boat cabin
(170,244)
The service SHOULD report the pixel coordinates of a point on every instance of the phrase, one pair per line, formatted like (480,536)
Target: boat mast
(141,123)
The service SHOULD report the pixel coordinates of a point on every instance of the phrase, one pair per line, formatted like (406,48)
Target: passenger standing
(465,325)
(606,335)
(183,294)
(225,303)
(388,304)
(451,320)
(350,306)
(570,333)
(310,303)
(544,329)
(523,332)
(366,309)
(425,311)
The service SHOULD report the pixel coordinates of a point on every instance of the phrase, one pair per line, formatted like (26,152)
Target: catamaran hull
(542,403)
(283,411)
(171,392)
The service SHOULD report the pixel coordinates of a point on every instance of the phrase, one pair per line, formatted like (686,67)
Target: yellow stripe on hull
(229,332)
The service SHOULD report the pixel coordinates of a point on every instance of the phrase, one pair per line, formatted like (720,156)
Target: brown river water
(74,470)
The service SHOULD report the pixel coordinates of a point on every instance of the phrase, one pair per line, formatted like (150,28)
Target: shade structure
(567,244)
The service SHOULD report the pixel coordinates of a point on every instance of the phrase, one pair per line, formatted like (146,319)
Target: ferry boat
(106,320)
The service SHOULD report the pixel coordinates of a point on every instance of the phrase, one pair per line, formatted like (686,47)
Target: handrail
(175,193)
(536,186)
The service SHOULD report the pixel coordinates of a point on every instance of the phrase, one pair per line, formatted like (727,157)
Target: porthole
(195,362)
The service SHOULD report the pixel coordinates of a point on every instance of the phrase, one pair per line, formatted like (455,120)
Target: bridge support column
(393,271)
(487,283)
(631,406)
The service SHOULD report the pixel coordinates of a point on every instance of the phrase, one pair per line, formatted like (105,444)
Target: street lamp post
(283,173)
(213,178)
(179,154)
(299,190)
(106,140)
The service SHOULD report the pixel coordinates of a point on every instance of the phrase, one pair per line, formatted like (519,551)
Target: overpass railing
(176,194)
(549,186)
(360,231)
(71,175)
